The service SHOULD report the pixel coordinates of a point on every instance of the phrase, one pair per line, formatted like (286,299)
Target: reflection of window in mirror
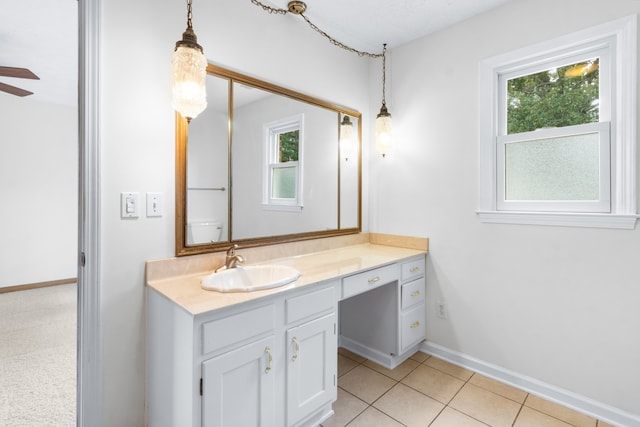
(283,164)
(283,170)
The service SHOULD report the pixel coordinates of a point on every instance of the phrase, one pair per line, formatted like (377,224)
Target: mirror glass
(207,183)
(263,164)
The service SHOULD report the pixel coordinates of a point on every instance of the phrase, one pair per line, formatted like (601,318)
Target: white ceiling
(42,34)
(368,24)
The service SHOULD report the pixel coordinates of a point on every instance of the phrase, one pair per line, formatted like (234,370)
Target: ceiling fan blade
(21,73)
(14,90)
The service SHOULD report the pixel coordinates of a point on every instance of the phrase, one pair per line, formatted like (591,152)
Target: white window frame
(271,145)
(620,39)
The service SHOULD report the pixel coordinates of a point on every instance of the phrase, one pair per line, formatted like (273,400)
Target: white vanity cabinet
(383,312)
(267,363)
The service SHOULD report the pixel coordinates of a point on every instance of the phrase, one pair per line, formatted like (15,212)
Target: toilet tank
(199,232)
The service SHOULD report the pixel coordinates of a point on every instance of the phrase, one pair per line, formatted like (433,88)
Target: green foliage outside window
(559,97)
(289,142)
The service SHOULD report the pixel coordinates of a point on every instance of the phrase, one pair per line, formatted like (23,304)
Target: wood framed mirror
(264,164)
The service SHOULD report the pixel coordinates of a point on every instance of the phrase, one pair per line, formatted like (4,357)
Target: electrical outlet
(441,309)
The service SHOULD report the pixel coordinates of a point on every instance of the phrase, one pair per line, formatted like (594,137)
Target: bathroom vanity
(269,358)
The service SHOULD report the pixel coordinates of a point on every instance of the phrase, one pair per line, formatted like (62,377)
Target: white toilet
(199,232)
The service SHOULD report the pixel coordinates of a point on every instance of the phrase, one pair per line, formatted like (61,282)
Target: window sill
(282,208)
(593,220)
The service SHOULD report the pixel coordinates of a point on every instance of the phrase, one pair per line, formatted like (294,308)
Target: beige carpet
(38,357)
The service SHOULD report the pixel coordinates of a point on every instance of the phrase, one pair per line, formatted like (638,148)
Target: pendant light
(189,94)
(383,119)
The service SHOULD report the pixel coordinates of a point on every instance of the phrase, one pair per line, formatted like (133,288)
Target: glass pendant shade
(188,88)
(347,142)
(383,138)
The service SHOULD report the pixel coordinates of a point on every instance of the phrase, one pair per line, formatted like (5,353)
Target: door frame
(89,334)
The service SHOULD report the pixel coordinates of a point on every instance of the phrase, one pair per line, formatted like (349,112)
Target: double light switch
(130,205)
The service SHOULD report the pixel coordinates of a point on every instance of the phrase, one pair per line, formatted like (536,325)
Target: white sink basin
(250,278)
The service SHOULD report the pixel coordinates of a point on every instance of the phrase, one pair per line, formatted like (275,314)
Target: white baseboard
(550,392)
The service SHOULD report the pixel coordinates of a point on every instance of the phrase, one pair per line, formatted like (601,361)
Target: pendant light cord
(278,11)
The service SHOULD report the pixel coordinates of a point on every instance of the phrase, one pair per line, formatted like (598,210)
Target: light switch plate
(154,204)
(129,205)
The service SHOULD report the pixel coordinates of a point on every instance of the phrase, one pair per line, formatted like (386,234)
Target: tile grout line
(519,410)
(392,387)
(456,393)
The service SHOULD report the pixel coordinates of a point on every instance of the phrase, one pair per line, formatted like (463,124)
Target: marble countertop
(185,291)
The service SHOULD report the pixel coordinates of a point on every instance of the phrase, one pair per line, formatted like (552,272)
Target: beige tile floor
(427,391)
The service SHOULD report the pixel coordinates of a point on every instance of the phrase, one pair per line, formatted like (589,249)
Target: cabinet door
(238,387)
(311,367)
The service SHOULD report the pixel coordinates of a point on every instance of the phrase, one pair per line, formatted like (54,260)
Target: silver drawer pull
(415,293)
(415,324)
(374,280)
(415,269)
(297,346)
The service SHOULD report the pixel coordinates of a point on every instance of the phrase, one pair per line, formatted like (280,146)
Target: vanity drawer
(413,269)
(237,328)
(413,293)
(368,280)
(412,327)
(311,304)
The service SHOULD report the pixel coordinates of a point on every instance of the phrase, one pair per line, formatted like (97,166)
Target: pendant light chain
(384,73)
(189,15)
(337,43)
(333,41)
(270,9)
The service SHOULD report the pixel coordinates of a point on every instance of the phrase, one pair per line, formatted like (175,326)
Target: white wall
(38,184)
(560,305)
(137,143)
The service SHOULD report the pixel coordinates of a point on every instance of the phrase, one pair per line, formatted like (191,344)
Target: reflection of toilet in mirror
(200,232)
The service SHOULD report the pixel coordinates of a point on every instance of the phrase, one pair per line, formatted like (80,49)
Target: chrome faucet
(232,259)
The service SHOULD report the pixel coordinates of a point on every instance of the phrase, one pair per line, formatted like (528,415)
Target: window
(283,165)
(558,145)
(553,135)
